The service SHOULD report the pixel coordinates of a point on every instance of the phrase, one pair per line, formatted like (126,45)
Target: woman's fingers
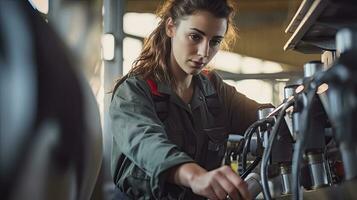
(238,183)
(219,184)
(227,186)
(212,195)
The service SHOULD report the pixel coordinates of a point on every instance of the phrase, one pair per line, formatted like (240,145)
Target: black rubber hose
(267,151)
(248,136)
(250,168)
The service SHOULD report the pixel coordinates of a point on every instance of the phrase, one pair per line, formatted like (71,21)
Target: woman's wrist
(185,174)
(191,171)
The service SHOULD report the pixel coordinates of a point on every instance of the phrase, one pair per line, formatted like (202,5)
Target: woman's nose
(203,49)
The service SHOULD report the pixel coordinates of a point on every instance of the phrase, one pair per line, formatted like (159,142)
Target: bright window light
(140,24)
(235,63)
(251,65)
(226,61)
(271,67)
(108,46)
(132,48)
(257,90)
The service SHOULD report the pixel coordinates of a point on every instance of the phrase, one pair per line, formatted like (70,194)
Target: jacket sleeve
(140,133)
(241,111)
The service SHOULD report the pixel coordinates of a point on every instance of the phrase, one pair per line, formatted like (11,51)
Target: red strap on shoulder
(153,87)
(207,73)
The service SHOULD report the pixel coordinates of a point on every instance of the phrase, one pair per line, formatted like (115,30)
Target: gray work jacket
(146,145)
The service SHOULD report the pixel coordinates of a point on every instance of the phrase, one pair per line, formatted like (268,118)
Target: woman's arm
(140,135)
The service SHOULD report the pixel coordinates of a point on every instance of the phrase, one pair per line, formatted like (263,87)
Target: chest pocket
(216,146)
(213,113)
(215,132)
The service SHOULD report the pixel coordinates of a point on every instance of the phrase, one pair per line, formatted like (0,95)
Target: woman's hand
(215,184)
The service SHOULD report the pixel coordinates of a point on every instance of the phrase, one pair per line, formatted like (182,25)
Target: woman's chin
(192,70)
(195,71)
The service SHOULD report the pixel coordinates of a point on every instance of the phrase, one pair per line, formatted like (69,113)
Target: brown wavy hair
(153,60)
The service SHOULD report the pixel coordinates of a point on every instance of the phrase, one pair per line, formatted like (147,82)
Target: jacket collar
(202,81)
(205,84)
(164,88)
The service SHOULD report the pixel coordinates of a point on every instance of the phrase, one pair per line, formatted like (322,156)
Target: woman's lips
(198,64)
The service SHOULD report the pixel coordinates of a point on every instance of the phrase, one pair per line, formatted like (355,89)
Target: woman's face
(195,39)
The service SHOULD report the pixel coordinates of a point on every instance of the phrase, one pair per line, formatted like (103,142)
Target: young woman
(171,118)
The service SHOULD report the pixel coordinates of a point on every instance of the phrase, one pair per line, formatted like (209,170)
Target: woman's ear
(170,27)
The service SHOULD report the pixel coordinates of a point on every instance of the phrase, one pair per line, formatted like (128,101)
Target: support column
(113,69)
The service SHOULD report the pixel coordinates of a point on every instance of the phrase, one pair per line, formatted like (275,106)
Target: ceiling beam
(260,76)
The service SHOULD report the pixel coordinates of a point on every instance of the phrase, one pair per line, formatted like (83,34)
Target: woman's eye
(195,37)
(215,43)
